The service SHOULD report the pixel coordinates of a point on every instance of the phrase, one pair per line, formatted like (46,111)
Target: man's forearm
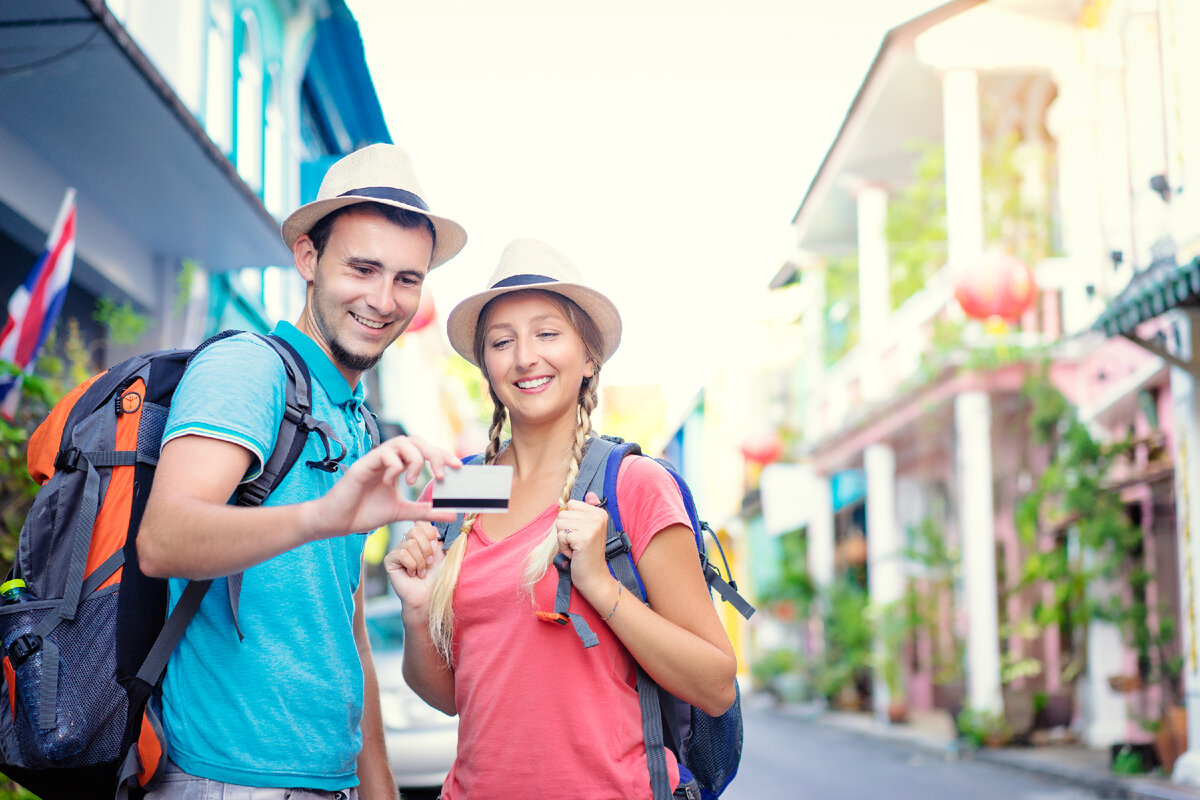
(199,540)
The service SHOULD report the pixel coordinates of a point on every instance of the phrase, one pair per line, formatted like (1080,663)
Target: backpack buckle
(251,494)
(68,460)
(615,546)
(23,647)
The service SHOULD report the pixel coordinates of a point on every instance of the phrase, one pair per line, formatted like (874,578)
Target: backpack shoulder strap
(602,452)
(372,425)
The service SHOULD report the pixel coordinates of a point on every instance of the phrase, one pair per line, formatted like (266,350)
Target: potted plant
(771,671)
(894,623)
(935,567)
(846,666)
(980,728)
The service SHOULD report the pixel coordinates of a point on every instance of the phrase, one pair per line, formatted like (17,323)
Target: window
(249,157)
(218,81)
(275,150)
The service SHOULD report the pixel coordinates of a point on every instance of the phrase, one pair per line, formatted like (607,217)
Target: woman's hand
(413,566)
(582,531)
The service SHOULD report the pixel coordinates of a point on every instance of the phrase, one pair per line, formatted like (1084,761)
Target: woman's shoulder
(642,469)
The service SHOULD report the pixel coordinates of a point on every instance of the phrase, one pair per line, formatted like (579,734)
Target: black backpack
(82,659)
(707,748)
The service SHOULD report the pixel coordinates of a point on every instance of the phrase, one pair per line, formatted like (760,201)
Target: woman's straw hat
(533,264)
(378,173)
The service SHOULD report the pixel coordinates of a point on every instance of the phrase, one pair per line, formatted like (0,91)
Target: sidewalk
(934,733)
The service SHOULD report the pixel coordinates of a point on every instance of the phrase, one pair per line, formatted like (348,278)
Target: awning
(86,100)
(1160,288)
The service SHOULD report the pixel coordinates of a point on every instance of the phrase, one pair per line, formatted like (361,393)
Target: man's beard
(353,361)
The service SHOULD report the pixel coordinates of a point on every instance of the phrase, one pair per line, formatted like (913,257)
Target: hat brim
(464,318)
(449,236)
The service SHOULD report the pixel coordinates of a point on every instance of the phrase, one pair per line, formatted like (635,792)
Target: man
(284,695)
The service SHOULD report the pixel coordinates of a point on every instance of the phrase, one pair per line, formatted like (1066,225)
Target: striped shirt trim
(224,435)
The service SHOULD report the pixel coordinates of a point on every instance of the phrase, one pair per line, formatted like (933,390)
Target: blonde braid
(541,556)
(441,599)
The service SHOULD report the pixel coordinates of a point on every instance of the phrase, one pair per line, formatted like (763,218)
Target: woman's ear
(589,369)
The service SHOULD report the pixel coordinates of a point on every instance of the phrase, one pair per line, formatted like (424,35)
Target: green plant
(937,567)
(848,637)
(979,727)
(125,325)
(841,310)
(1128,761)
(791,594)
(770,665)
(52,377)
(916,224)
(894,624)
(11,791)
(1096,542)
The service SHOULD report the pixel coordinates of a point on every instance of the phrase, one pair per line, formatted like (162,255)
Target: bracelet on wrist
(620,586)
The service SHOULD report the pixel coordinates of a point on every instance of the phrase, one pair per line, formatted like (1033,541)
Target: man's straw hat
(533,264)
(378,173)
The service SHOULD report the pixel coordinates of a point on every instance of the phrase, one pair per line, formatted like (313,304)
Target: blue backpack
(708,749)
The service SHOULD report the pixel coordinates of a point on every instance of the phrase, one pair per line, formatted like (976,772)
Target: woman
(540,715)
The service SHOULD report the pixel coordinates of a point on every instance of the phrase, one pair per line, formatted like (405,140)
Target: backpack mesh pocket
(91,706)
(715,748)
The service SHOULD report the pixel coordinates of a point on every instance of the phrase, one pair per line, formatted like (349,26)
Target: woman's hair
(441,603)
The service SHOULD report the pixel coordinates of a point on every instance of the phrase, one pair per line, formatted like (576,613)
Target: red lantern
(1000,285)
(763,449)
(425,313)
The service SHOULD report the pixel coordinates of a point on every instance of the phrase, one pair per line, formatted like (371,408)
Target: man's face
(364,289)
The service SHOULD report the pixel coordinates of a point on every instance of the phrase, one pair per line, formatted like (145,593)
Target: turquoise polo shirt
(281,707)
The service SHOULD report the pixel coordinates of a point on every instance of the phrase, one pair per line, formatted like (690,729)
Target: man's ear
(305,253)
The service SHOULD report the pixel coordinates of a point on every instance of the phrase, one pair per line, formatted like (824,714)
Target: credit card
(474,488)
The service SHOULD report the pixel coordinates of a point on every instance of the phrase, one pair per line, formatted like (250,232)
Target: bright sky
(662,145)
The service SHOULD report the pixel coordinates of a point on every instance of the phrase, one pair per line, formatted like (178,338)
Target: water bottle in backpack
(24,657)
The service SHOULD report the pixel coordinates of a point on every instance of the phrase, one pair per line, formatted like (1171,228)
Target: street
(785,758)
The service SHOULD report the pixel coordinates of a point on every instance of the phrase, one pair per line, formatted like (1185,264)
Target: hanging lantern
(763,450)
(425,313)
(999,286)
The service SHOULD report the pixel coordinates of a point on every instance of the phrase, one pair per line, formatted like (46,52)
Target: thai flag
(34,306)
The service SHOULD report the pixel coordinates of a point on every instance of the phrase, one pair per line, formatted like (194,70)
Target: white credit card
(474,488)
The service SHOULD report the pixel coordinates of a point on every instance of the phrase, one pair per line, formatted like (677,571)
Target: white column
(973,423)
(1105,719)
(1145,122)
(1072,121)
(874,282)
(874,295)
(1186,398)
(812,332)
(820,532)
(964,173)
(885,575)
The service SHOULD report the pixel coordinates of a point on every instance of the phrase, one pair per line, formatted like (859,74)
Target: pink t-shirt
(540,716)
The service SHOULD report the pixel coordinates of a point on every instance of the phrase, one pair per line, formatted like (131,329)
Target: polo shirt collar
(320,367)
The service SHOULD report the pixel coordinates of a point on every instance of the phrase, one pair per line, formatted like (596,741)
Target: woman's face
(534,357)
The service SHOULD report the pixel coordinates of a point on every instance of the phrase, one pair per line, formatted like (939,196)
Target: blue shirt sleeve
(232,391)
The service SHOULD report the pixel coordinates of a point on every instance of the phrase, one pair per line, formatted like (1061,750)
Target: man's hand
(369,495)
